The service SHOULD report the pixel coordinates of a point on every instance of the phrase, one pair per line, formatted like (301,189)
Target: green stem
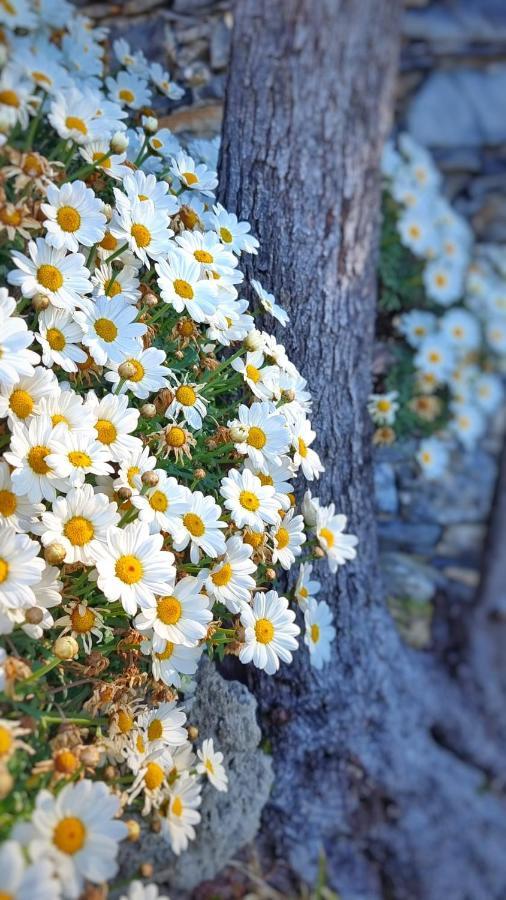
(40,672)
(34,124)
(117,253)
(90,167)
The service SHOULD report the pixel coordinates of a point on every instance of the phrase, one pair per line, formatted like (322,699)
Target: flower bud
(6,783)
(124,494)
(119,142)
(107,211)
(146,870)
(134,830)
(54,554)
(151,300)
(110,773)
(238,433)
(193,732)
(318,552)
(148,411)
(150,479)
(40,302)
(270,574)
(179,354)
(126,370)
(90,756)
(253,340)
(34,615)
(66,647)
(150,124)
(199,474)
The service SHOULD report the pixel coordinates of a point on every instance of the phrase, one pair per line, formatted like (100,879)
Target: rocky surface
(225,711)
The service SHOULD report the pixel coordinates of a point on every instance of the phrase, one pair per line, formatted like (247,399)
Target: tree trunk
(361,771)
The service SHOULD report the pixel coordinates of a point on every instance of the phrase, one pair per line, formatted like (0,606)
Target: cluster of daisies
(457,340)
(151,437)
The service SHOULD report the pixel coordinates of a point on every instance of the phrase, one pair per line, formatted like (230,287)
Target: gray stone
(460,107)
(225,711)
(462,539)
(220,45)
(408,578)
(384,488)
(418,537)
(452,25)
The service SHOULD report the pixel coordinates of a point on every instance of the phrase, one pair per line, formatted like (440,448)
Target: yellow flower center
(190,177)
(9,98)
(434,357)
(55,338)
(57,418)
(175,436)
(140,234)
(8,503)
(37,459)
(441,280)
(303,591)
(226,235)
(194,524)
(169,610)
(252,373)
(254,538)
(68,218)
(49,277)
(185,395)
(139,743)
(414,231)
(82,622)
(142,197)
(106,329)
(69,835)
(106,431)
(139,370)
(129,569)
(384,405)
(154,776)
(112,288)
(105,163)
(282,538)
(209,766)
(124,721)
(177,807)
(10,216)
(327,536)
(6,740)
(79,459)
(265,479)
(167,653)
(156,143)
(4,570)
(126,95)
(158,501)
(155,730)
(302,448)
(32,165)
(66,762)
(132,472)
(108,242)
(202,256)
(315,633)
(79,531)
(256,438)
(223,576)
(249,501)
(189,217)
(76,124)
(183,288)
(21,403)
(264,631)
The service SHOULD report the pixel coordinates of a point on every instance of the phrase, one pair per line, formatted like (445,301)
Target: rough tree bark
(361,769)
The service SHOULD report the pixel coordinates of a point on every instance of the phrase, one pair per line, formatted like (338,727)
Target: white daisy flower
(416,325)
(262,434)
(151,777)
(121,285)
(16,97)
(18,512)
(16,359)
(443,282)
(132,567)
(59,336)
(132,467)
(211,765)
(110,330)
(78,521)
(74,216)
(150,373)
(489,393)
(163,506)
(61,277)
(164,723)
(48,594)
(67,830)
(206,249)
(98,154)
(114,421)
(162,80)
(462,329)
(172,661)
(73,114)
(251,503)
(304,456)
(339,547)
(270,632)
(305,586)
(181,285)
(143,228)
(279,475)
(435,357)
(166,144)
(383,408)
(288,539)
(140,187)
(67,407)
(202,527)
(75,454)
(417,230)
(230,581)
(22,401)
(319,631)
(129,90)
(17,14)
(433,457)
(28,455)
(182,813)
(139,891)
(20,569)
(495,332)
(188,402)
(232,233)
(192,176)
(268,302)
(261,380)
(26,881)
(232,322)
(468,424)
(82,622)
